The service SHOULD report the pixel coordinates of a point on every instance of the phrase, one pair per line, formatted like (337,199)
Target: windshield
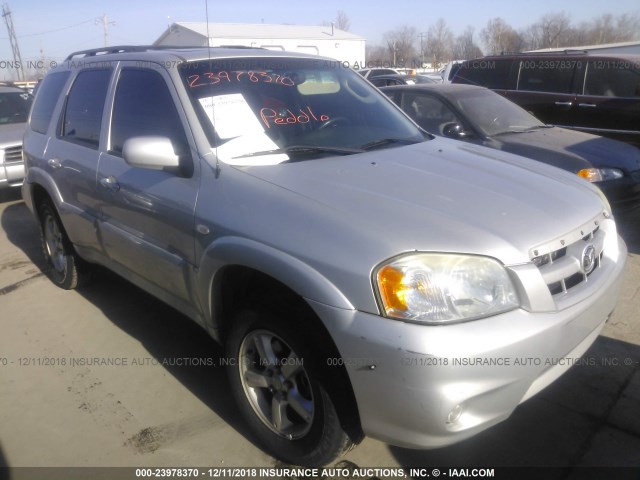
(263,111)
(493,114)
(14,107)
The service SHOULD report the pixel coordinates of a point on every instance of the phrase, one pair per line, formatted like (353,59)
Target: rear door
(71,157)
(546,89)
(148,215)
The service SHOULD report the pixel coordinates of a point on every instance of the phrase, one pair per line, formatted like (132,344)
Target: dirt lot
(59,406)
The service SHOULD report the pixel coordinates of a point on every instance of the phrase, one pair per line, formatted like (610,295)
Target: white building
(325,41)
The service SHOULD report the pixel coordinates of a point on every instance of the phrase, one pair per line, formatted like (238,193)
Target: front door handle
(564,104)
(592,105)
(110,183)
(54,163)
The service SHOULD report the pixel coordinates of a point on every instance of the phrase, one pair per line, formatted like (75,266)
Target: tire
(274,371)
(66,269)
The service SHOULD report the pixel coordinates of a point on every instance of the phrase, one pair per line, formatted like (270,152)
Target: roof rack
(93,52)
(550,52)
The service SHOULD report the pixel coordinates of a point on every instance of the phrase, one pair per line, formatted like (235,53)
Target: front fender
(288,270)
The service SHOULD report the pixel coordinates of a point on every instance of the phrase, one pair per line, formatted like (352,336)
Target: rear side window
(48,94)
(546,75)
(612,78)
(85,104)
(490,73)
(143,106)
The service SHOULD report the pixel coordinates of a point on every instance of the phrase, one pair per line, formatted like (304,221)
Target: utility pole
(422,35)
(13,40)
(105,25)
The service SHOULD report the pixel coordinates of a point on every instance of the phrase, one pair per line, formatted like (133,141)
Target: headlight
(600,174)
(443,288)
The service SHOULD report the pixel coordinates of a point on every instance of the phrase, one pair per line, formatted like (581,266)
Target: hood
(11,133)
(570,150)
(440,195)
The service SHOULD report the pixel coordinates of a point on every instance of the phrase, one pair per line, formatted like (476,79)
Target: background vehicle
(369,73)
(478,115)
(391,79)
(598,94)
(332,246)
(15,104)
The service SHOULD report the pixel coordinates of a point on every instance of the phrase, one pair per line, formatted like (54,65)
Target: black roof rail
(106,50)
(550,52)
(93,52)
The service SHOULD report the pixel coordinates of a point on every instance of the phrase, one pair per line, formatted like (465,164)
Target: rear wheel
(274,377)
(66,268)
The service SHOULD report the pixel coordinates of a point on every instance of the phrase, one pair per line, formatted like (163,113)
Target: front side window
(264,111)
(82,119)
(429,112)
(143,106)
(554,76)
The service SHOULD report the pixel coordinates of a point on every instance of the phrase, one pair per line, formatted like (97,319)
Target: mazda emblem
(588,259)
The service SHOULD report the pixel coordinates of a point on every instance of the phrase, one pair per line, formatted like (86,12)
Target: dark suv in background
(598,94)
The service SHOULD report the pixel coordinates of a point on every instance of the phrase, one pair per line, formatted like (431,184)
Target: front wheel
(66,268)
(275,381)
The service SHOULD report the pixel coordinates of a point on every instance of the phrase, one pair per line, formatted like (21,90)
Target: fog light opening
(455,414)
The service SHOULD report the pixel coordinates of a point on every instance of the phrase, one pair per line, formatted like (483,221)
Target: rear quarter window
(612,78)
(45,103)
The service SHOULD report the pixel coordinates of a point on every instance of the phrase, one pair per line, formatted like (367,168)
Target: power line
(51,31)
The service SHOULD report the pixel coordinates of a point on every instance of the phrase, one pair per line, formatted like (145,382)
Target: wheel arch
(244,273)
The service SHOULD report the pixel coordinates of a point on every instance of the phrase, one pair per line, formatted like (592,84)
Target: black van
(595,93)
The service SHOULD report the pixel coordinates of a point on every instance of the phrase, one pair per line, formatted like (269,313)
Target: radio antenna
(206,10)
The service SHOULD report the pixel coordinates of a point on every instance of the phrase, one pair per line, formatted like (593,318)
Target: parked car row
(595,93)
(15,104)
(478,115)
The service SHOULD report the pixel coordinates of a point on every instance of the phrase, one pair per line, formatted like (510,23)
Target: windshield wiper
(304,150)
(524,130)
(384,142)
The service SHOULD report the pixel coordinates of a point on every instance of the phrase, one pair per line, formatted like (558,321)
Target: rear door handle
(564,104)
(591,105)
(110,183)
(54,163)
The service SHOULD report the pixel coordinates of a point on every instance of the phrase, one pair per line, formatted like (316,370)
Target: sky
(55,29)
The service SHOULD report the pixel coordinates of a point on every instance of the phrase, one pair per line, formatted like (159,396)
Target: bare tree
(464,47)
(607,29)
(342,21)
(498,36)
(439,43)
(376,55)
(400,45)
(553,30)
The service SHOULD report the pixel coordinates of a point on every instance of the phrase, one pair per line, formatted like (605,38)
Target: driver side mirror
(454,130)
(151,152)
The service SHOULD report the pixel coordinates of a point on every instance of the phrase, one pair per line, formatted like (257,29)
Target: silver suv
(14,111)
(364,277)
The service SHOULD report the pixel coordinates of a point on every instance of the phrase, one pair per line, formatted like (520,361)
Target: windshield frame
(16,100)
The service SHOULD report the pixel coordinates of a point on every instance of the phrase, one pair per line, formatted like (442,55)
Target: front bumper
(422,386)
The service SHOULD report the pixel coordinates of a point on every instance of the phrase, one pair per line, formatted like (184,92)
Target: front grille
(13,155)
(571,265)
